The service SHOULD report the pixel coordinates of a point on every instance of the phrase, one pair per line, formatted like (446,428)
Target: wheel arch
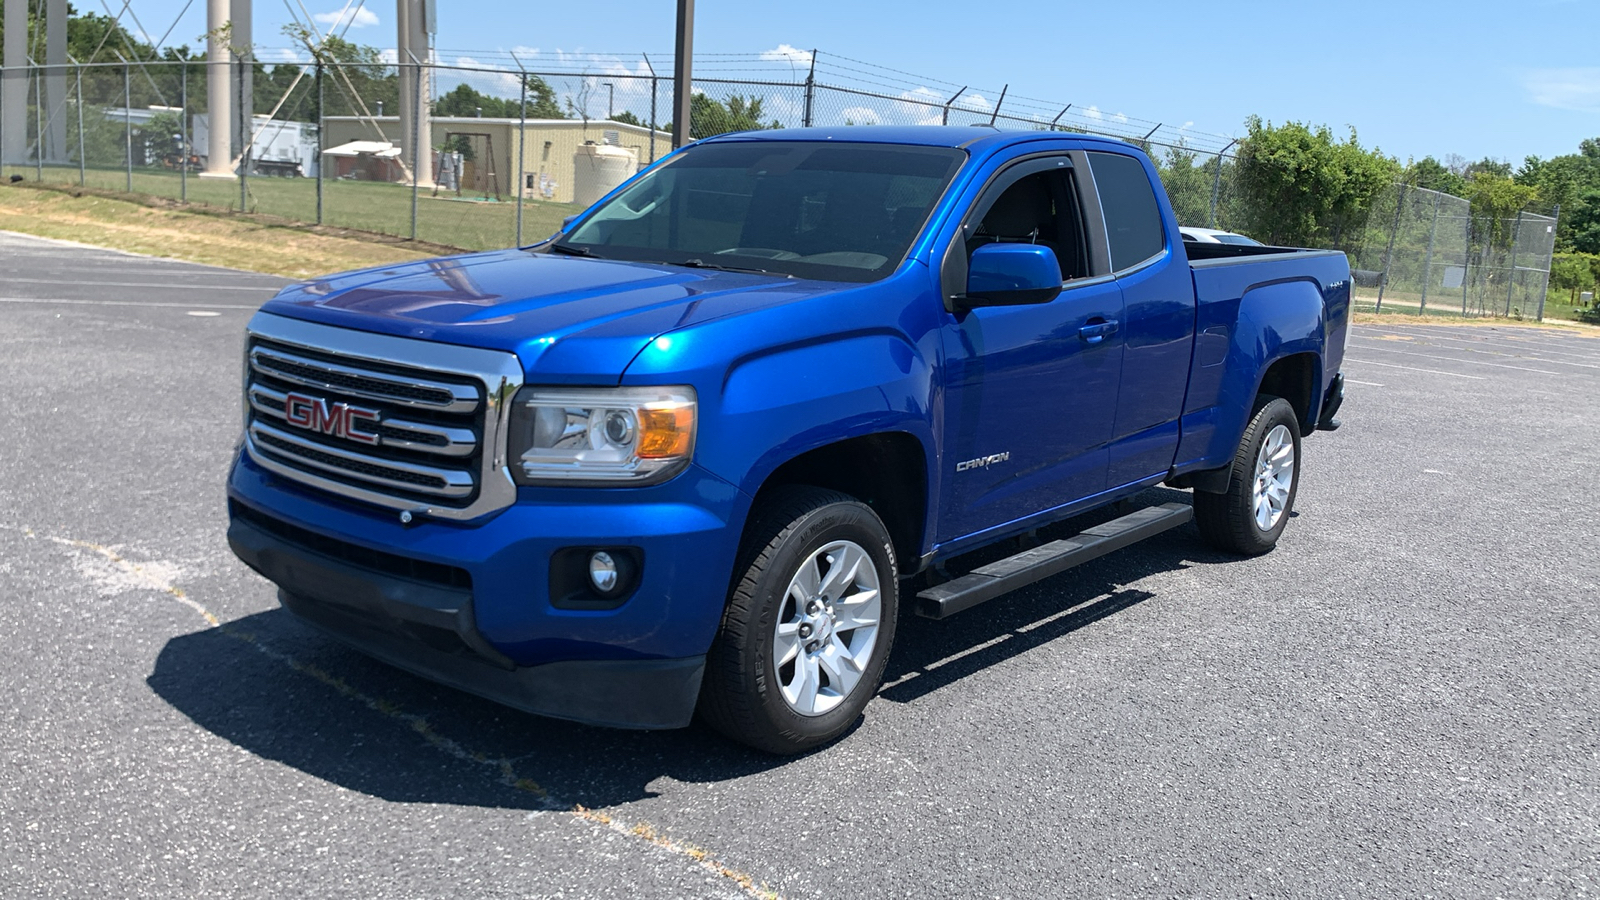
(886,470)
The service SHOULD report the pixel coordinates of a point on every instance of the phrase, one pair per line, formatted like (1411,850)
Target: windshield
(1226,238)
(834,211)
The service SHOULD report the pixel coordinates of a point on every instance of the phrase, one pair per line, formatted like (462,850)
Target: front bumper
(430,631)
(468,604)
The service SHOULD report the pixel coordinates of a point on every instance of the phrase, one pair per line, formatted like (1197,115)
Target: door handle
(1097,331)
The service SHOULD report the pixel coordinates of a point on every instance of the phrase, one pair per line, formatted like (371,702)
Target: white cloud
(860,115)
(350,16)
(1093,112)
(1576,89)
(786,53)
(1120,119)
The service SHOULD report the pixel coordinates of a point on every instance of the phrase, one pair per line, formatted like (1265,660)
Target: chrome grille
(405,424)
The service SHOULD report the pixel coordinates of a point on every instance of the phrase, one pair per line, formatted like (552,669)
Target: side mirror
(1012,275)
(567,222)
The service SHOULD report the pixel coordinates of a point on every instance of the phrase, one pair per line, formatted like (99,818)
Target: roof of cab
(921,135)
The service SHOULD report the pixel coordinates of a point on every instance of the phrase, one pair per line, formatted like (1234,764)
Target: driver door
(1030,391)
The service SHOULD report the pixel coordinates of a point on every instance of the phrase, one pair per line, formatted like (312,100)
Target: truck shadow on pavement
(282,692)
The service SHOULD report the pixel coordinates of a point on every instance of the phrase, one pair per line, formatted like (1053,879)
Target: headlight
(595,436)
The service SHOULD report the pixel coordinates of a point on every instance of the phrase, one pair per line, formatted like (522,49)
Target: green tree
(1563,180)
(1188,178)
(1300,186)
(1496,200)
(1583,223)
(1433,175)
(542,101)
(627,118)
(739,113)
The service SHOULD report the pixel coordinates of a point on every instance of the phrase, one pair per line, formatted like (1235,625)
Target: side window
(1037,208)
(1128,202)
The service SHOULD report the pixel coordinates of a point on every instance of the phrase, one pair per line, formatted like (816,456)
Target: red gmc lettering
(337,419)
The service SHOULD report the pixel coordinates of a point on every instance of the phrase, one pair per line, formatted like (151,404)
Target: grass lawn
(364,205)
(238,242)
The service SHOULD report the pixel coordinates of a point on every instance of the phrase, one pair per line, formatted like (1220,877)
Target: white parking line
(57,301)
(1470,362)
(1366,383)
(1414,368)
(1487,341)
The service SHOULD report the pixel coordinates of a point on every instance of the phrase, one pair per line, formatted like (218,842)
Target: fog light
(603,572)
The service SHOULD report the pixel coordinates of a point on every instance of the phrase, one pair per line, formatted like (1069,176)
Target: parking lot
(1401,700)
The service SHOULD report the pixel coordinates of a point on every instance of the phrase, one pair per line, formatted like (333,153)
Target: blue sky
(1471,78)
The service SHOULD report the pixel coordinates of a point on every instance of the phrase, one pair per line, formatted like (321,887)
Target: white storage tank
(599,169)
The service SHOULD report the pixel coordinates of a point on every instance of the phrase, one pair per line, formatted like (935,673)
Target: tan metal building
(547,148)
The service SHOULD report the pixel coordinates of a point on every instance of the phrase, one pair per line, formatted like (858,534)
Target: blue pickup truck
(685,457)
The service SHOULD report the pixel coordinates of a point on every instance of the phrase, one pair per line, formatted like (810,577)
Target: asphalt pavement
(1401,700)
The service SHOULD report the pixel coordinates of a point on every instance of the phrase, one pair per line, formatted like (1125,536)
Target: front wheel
(808,625)
(1251,516)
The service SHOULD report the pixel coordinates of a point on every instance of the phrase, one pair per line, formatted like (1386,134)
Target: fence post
(655,88)
(1545,287)
(522,155)
(183,131)
(1216,181)
(811,91)
(1511,278)
(245,140)
(946,118)
(1388,252)
(82,165)
(38,124)
(322,144)
(416,142)
(127,118)
(1427,266)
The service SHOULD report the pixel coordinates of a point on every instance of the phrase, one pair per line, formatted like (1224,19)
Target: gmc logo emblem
(337,419)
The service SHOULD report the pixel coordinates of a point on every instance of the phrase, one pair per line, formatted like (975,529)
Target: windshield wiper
(570,250)
(702,264)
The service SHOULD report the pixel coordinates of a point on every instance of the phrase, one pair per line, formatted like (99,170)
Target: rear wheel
(808,625)
(1250,517)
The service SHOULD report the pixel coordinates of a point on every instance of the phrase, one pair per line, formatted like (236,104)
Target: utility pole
(241,39)
(683,50)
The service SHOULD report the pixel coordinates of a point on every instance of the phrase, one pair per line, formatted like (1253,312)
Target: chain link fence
(508,139)
(1425,253)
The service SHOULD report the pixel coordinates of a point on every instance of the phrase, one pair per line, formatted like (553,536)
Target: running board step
(989,582)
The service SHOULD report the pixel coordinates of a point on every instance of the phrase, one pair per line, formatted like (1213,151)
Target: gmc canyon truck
(683,457)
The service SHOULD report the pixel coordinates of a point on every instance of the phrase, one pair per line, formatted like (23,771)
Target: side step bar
(989,582)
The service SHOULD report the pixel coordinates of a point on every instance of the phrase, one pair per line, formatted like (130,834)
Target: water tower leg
(406,83)
(55,81)
(14,85)
(219,101)
(420,49)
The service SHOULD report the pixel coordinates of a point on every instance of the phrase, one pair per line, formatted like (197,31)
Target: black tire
(1228,521)
(741,693)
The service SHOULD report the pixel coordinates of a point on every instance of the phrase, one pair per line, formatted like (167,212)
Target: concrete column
(219,99)
(14,85)
(241,16)
(406,83)
(55,81)
(421,48)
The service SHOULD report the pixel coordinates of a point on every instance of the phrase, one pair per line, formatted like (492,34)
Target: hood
(568,317)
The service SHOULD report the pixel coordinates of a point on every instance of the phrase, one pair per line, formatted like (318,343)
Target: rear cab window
(1132,214)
